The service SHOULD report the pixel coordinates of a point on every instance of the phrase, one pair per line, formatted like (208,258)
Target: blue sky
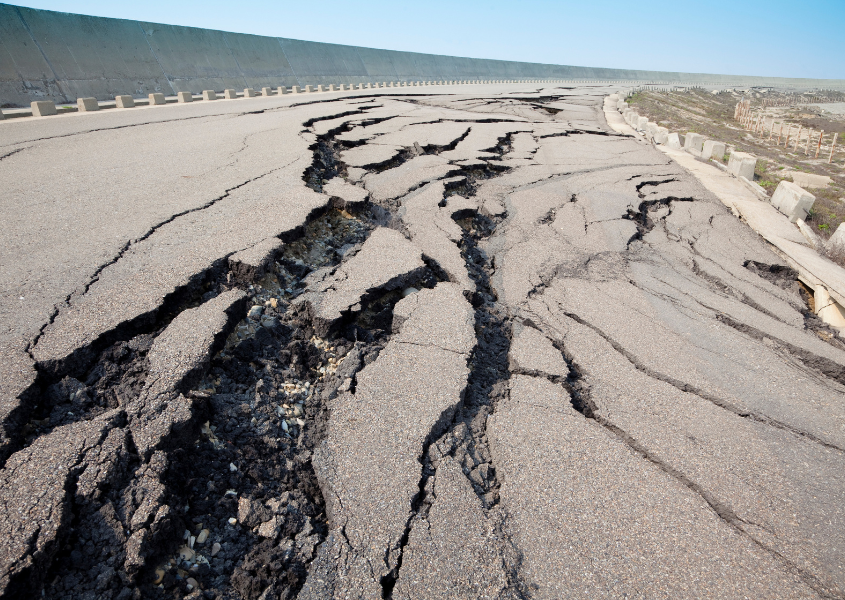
(743,37)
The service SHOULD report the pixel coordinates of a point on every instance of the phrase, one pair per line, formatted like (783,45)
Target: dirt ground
(712,115)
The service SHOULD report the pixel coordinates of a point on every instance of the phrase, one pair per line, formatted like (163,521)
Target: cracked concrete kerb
(475,343)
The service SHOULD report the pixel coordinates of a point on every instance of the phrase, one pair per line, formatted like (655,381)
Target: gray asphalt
(663,422)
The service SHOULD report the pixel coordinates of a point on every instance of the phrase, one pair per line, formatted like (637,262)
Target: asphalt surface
(467,341)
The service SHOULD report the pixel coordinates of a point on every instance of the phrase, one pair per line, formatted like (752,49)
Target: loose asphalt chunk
(385,262)
(435,232)
(38,489)
(178,357)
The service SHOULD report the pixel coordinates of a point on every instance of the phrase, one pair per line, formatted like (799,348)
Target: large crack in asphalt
(115,377)
(267,394)
(464,438)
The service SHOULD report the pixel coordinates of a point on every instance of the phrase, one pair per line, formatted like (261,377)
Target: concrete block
(230,94)
(742,164)
(308,89)
(250,93)
(713,149)
(184,97)
(157,99)
(209,95)
(662,135)
(641,123)
(332,88)
(651,129)
(265,91)
(694,141)
(43,108)
(124,101)
(808,180)
(757,190)
(88,104)
(250,265)
(792,200)
(320,88)
(2,116)
(815,241)
(673,141)
(837,240)
(828,309)
(295,90)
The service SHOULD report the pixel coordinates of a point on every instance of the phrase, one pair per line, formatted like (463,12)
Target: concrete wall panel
(261,60)
(378,64)
(91,56)
(403,62)
(25,74)
(315,63)
(194,59)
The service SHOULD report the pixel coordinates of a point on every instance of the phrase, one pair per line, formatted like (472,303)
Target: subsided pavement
(469,342)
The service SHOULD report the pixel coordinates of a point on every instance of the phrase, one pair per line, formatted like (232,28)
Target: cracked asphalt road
(462,342)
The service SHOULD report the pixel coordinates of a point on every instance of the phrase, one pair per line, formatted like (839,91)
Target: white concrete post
(157,99)
(792,200)
(230,94)
(742,164)
(713,149)
(88,104)
(308,89)
(249,93)
(295,89)
(183,97)
(43,108)
(282,90)
(265,91)
(124,101)
(209,95)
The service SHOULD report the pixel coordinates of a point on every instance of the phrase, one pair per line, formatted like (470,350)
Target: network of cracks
(229,503)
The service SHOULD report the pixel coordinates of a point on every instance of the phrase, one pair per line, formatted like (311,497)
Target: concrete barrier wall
(46,55)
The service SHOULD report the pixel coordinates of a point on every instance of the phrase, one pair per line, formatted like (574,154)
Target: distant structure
(46,55)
